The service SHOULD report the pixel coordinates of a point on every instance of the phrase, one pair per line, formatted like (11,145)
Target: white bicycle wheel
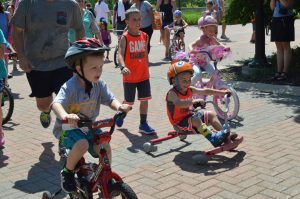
(233,106)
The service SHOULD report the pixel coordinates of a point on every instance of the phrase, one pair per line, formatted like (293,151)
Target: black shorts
(186,123)
(143,88)
(282,29)
(44,83)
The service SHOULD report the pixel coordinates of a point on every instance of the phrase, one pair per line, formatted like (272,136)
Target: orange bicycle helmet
(177,68)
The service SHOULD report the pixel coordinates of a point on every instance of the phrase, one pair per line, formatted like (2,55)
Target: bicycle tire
(172,52)
(233,112)
(7,104)
(181,46)
(121,188)
(116,57)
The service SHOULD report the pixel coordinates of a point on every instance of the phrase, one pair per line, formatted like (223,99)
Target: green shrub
(191,17)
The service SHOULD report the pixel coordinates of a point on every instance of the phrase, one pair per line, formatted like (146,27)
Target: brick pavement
(266,165)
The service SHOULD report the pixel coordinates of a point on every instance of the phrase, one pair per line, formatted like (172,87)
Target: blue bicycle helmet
(177,13)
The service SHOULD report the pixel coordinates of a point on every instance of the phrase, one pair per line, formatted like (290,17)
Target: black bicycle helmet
(79,50)
(82,48)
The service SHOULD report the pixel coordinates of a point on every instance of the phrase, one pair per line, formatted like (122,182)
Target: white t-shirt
(101,10)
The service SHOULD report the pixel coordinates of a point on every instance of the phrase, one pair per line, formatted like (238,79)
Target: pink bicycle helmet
(207,21)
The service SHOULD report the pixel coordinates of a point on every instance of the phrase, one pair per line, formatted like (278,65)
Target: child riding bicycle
(208,25)
(179,23)
(180,105)
(82,95)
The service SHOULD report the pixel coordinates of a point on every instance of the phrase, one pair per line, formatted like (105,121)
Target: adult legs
(280,56)
(287,56)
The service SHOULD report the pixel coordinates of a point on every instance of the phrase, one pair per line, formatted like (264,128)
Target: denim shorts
(70,137)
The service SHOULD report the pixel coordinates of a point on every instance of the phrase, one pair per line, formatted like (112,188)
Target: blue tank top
(278,6)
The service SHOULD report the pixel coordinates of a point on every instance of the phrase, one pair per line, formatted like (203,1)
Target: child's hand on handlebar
(199,103)
(125,108)
(227,92)
(72,119)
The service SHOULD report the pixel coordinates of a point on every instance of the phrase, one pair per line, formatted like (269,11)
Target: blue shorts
(70,137)
(2,84)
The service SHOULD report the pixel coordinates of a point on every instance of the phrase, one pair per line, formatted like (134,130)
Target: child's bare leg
(181,37)
(107,148)
(216,139)
(214,121)
(144,107)
(77,152)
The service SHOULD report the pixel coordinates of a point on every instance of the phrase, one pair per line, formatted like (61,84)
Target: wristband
(121,67)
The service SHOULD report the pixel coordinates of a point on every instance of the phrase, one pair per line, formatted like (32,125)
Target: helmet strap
(88,84)
(177,83)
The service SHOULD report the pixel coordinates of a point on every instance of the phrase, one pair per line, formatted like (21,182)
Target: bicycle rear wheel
(116,56)
(234,104)
(7,105)
(121,190)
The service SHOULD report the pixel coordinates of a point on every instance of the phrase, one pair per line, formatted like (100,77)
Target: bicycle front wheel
(7,105)
(121,190)
(116,56)
(233,106)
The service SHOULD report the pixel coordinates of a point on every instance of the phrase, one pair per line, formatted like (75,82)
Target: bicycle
(7,101)
(231,143)
(97,178)
(215,54)
(176,44)
(116,52)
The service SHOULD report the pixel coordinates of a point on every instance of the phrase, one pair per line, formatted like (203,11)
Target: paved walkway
(266,164)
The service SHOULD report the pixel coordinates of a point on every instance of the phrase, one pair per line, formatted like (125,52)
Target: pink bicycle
(214,54)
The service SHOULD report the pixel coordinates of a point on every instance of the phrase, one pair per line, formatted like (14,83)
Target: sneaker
(2,139)
(226,127)
(68,183)
(45,119)
(217,138)
(224,37)
(146,129)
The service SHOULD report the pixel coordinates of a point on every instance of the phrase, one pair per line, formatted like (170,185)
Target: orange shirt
(175,113)
(136,57)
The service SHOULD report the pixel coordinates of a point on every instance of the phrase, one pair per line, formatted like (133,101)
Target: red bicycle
(97,178)
(231,142)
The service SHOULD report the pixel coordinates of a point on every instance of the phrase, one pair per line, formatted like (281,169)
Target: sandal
(282,77)
(276,76)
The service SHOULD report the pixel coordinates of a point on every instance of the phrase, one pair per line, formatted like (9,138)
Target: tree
(240,11)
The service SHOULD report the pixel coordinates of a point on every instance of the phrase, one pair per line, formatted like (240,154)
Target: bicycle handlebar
(110,122)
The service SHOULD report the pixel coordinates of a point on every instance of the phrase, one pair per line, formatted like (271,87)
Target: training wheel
(200,159)
(182,137)
(148,147)
(46,195)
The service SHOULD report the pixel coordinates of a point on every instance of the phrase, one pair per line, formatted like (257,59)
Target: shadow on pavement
(171,150)
(9,126)
(217,163)
(3,158)
(44,175)
(280,99)
(136,140)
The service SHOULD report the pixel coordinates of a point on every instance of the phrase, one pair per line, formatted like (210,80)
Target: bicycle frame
(101,173)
